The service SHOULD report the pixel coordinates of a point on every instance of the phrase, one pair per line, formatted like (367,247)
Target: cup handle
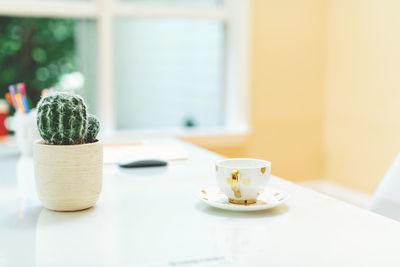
(234,184)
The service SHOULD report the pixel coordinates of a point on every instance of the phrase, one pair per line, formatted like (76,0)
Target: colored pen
(21,107)
(24,97)
(28,100)
(8,97)
(11,88)
(21,87)
(25,104)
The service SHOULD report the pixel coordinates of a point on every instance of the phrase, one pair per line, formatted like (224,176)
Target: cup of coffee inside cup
(242,180)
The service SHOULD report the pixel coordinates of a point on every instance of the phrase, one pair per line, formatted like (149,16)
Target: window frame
(235,14)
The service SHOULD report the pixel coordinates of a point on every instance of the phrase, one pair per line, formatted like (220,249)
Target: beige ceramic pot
(68,177)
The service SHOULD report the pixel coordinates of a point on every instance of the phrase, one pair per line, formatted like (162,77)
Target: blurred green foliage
(36,51)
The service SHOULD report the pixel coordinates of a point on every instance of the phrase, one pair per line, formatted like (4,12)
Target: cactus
(93,129)
(62,119)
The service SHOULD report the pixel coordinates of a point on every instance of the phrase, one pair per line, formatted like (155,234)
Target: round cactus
(62,119)
(93,129)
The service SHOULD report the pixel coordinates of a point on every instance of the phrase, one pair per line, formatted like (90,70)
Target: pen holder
(25,129)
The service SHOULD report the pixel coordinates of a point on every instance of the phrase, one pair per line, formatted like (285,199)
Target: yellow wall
(362,93)
(286,83)
(325,91)
(287,78)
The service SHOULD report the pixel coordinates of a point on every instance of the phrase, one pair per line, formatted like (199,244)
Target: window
(41,52)
(150,64)
(168,73)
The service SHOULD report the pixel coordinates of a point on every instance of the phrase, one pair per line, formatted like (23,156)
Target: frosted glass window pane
(86,53)
(181,3)
(168,73)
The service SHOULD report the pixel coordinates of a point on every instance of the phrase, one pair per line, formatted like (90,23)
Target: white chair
(386,200)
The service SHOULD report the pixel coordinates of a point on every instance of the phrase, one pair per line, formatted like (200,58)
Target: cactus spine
(62,119)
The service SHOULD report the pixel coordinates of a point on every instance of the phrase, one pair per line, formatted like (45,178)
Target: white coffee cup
(242,180)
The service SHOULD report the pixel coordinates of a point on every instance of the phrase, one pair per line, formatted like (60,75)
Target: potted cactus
(69,160)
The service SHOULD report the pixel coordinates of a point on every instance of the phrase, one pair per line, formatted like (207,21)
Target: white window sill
(215,137)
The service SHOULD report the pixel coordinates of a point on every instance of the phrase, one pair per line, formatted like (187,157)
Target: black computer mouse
(139,163)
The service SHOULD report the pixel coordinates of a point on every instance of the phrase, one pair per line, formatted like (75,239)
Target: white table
(151,217)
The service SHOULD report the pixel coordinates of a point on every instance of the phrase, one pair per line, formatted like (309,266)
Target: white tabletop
(151,217)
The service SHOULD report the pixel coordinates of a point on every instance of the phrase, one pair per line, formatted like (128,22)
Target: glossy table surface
(151,217)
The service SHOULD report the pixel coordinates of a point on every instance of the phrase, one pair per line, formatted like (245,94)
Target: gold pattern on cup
(233,181)
(263,169)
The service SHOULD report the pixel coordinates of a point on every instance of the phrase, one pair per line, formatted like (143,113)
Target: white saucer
(270,198)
